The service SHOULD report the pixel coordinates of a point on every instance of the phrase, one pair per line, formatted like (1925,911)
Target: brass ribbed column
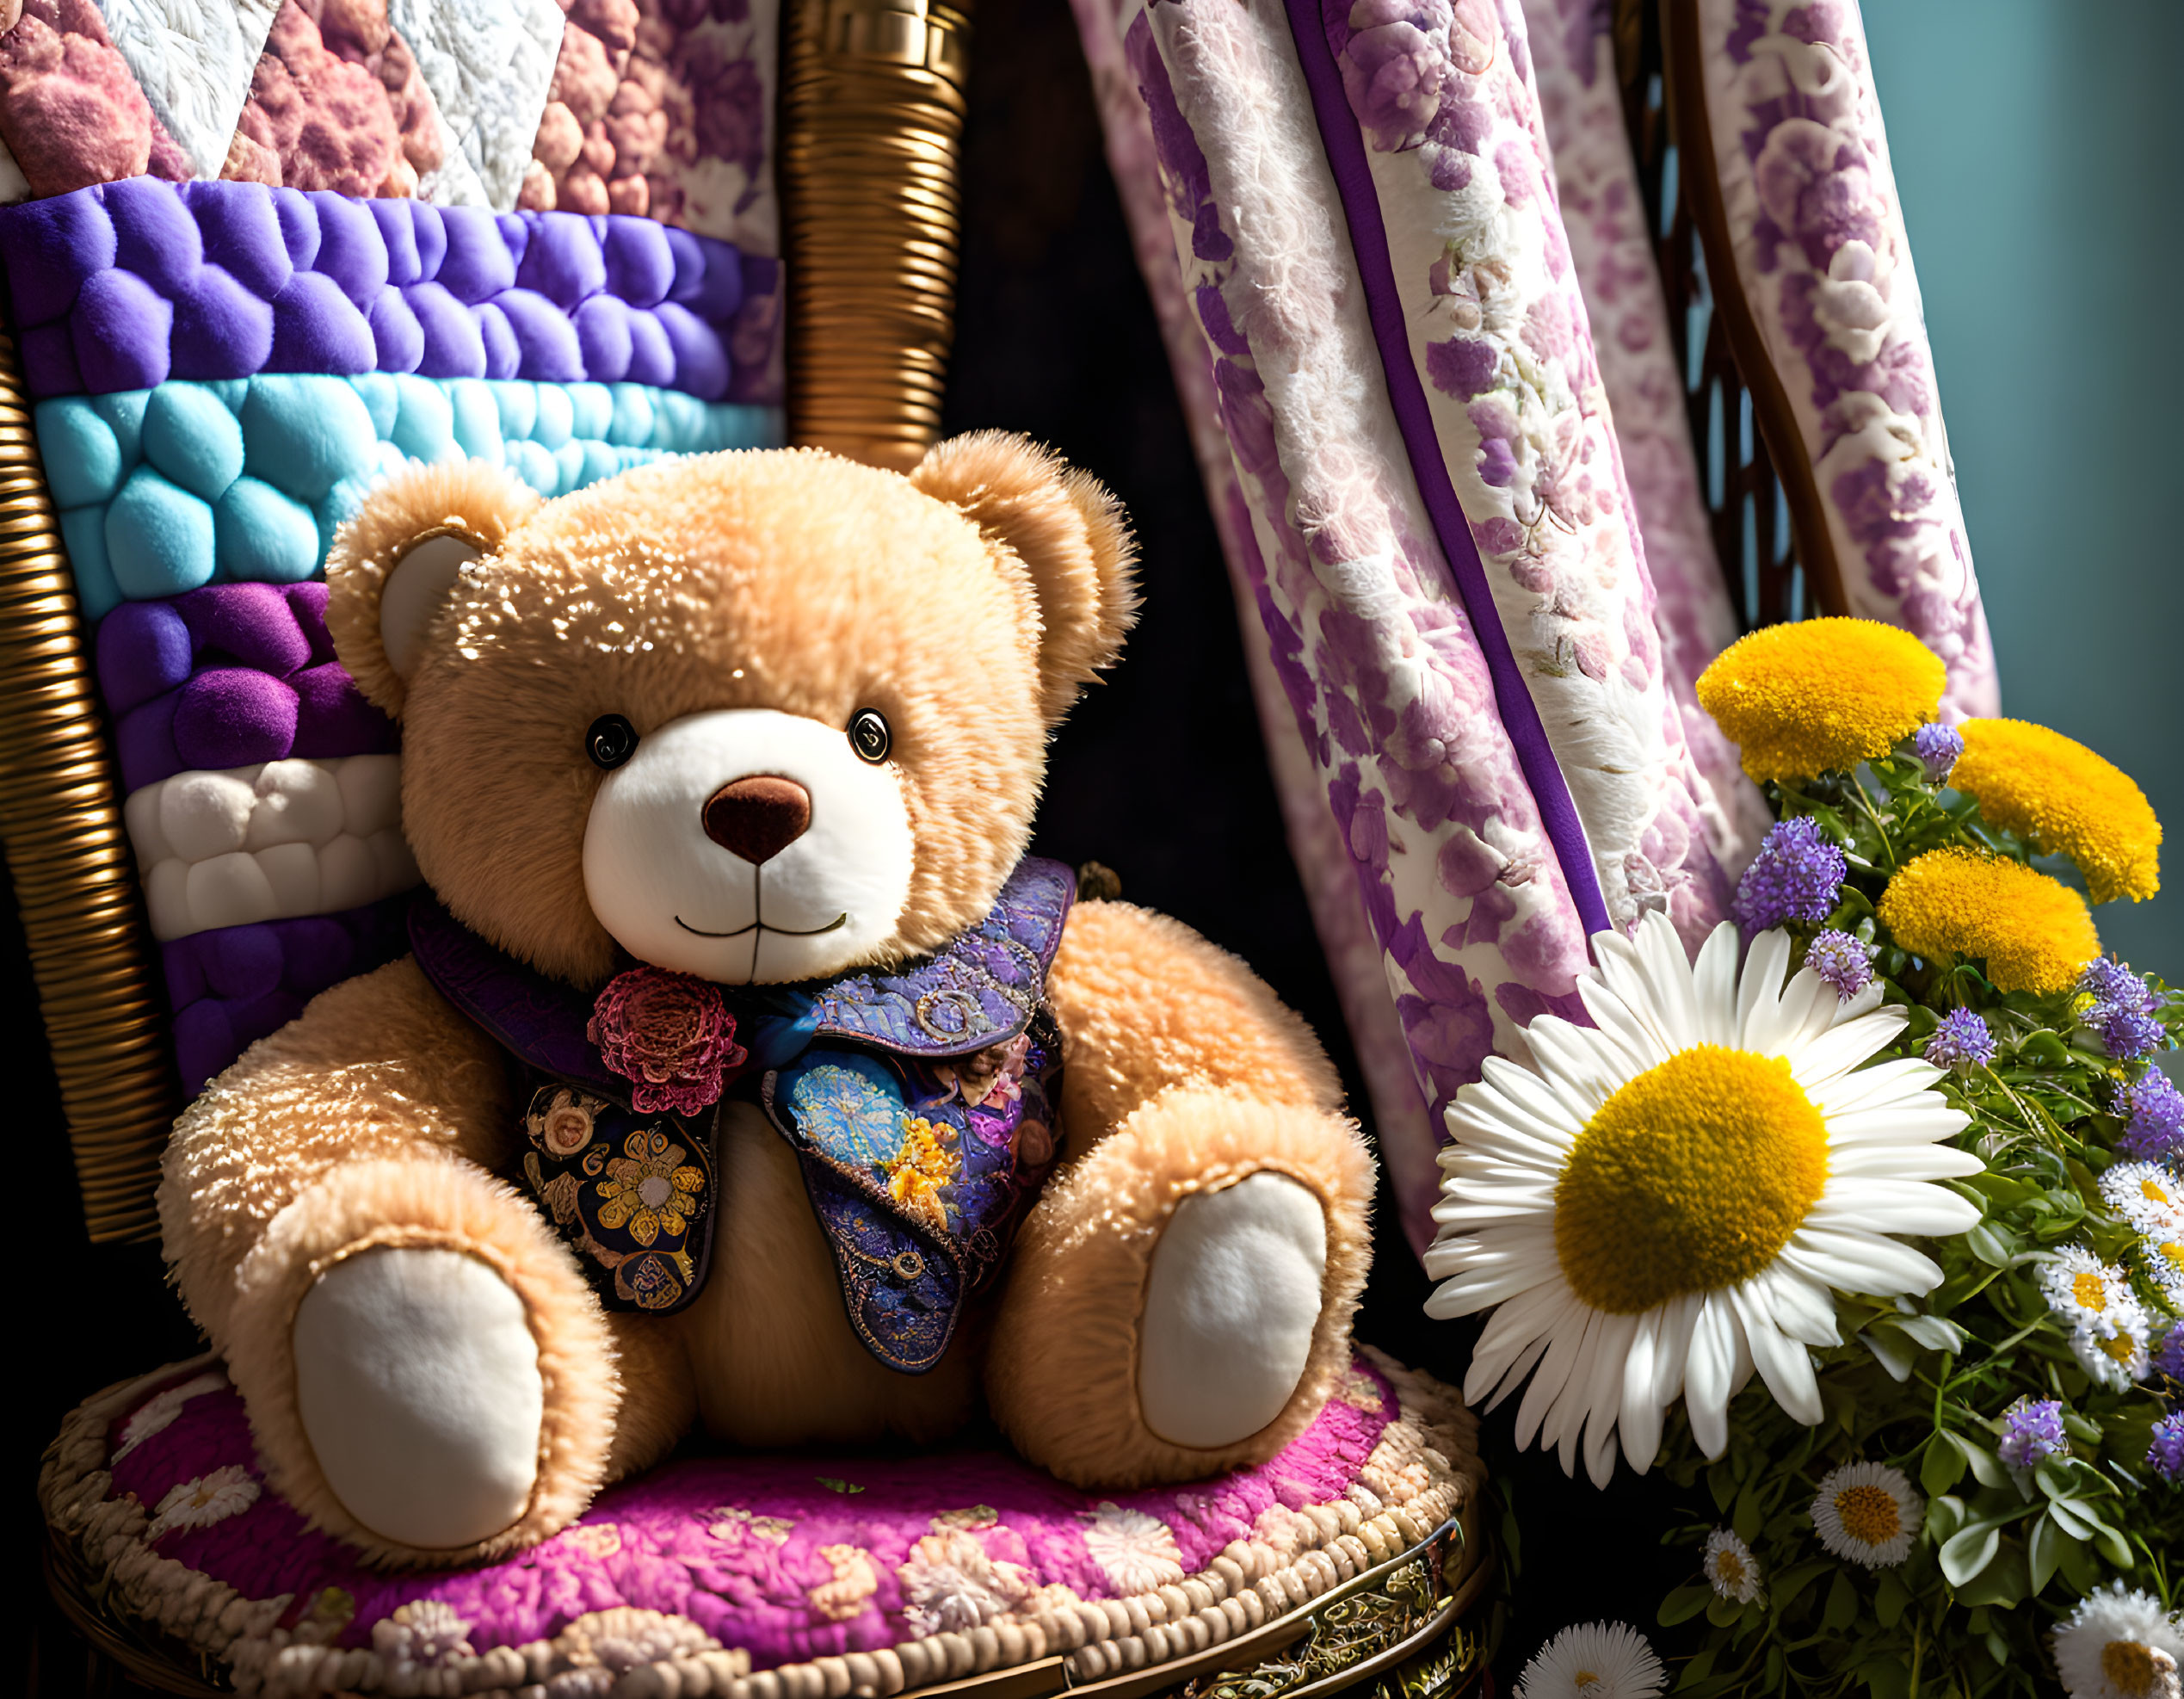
(871,116)
(75,884)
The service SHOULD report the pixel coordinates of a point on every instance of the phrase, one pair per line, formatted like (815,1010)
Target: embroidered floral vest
(922,1107)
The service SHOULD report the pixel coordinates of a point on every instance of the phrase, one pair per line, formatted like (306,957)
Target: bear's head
(758,717)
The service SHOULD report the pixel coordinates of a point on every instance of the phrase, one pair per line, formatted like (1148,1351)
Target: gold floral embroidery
(649,1187)
(927,1164)
(560,1118)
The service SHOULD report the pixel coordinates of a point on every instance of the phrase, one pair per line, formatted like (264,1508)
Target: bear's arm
(1145,1004)
(378,1066)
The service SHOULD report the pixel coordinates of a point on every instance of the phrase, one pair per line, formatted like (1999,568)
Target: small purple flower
(2165,1457)
(2169,1355)
(2128,1035)
(2032,1429)
(1842,961)
(1938,746)
(2122,1010)
(2153,1109)
(1795,876)
(2106,979)
(1962,1041)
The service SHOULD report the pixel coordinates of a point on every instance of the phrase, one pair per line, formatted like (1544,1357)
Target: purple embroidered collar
(981,990)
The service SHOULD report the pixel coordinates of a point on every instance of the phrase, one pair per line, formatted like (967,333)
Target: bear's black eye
(611,741)
(870,738)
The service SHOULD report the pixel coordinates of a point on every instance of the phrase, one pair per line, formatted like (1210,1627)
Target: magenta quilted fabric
(775,1561)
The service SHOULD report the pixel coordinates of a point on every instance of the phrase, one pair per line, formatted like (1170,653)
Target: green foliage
(1923,1385)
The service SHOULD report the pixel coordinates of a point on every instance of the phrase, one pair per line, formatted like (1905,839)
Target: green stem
(1866,804)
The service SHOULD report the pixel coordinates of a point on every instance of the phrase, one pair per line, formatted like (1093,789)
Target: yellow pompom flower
(2063,799)
(2035,933)
(1821,695)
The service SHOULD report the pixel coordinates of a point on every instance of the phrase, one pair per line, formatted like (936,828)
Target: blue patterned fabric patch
(920,1170)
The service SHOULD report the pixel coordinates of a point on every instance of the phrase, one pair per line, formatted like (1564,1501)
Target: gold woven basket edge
(91,956)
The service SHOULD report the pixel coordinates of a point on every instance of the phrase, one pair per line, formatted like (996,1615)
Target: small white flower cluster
(2108,1325)
(2151,1199)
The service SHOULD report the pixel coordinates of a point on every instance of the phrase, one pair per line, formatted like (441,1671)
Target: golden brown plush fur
(1069,534)
(475,500)
(1188,1076)
(967,604)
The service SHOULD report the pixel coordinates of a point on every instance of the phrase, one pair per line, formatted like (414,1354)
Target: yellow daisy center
(1821,695)
(1869,1515)
(2123,1347)
(2174,1252)
(1731,1569)
(2033,932)
(2091,1292)
(2064,800)
(2151,1192)
(1690,1178)
(2128,1665)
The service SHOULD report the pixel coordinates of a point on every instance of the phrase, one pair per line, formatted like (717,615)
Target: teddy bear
(746,1074)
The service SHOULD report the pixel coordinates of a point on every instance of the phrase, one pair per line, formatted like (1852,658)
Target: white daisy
(2119,1645)
(2147,1196)
(2162,1254)
(199,1503)
(1867,1513)
(2107,1322)
(1731,1567)
(2087,1292)
(1593,1660)
(2118,1357)
(1663,1205)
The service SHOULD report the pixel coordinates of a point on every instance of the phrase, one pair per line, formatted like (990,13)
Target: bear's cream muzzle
(749,846)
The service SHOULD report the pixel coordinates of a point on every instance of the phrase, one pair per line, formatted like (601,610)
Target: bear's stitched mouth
(835,924)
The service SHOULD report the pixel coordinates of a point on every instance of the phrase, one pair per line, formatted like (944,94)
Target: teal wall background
(2041,165)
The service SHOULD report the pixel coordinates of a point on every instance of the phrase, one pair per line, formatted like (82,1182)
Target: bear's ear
(1069,532)
(394,563)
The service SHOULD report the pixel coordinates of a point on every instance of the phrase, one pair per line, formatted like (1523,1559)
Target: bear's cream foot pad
(1231,1301)
(838,1573)
(417,1382)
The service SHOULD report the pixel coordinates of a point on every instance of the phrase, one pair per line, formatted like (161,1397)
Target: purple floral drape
(1380,299)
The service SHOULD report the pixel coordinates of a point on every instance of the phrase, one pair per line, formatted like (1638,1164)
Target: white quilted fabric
(193,58)
(488,64)
(269,842)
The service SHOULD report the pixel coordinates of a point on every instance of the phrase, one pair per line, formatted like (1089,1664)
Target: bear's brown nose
(758,817)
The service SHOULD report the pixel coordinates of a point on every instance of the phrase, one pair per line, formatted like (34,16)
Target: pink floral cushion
(821,1573)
